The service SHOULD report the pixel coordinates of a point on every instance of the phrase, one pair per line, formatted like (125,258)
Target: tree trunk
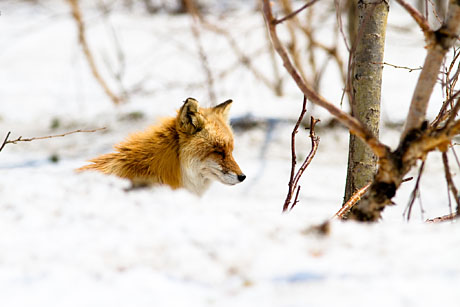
(366,82)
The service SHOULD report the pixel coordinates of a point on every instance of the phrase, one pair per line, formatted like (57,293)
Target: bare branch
(5,141)
(397,66)
(243,57)
(293,154)
(76,13)
(415,192)
(444,218)
(352,201)
(340,23)
(314,143)
(450,182)
(453,112)
(442,112)
(419,18)
(295,177)
(342,213)
(190,5)
(349,121)
(438,43)
(20,139)
(277,21)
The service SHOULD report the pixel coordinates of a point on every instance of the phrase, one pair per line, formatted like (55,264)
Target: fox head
(206,145)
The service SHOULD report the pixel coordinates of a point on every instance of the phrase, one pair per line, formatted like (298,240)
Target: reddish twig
(295,177)
(293,155)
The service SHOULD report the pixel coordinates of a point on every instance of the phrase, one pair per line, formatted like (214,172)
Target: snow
(72,239)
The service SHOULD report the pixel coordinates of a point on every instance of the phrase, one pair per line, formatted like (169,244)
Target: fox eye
(220,153)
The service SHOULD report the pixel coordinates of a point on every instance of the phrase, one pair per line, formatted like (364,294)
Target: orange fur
(186,151)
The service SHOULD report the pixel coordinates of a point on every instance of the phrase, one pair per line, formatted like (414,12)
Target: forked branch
(295,177)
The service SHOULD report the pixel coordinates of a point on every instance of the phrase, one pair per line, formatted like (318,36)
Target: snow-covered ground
(72,239)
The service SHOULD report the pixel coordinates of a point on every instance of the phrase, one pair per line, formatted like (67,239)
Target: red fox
(187,151)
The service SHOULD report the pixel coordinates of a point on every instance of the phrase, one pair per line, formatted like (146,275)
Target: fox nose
(241,177)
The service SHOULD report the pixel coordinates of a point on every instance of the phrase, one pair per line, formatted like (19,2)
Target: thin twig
(293,155)
(450,183)
(340,23)
(244,58)
(453,113)
(294,179)
(352,201)
(76,12)
(415,192)
(308,159)
(455,156)
(419,18)
(448,217)
(5,141)
(397,66)
(341,214)
(314,147)
(296,198)
(20,139)
(277,21)
(442,112)
(433,5)
(193,11)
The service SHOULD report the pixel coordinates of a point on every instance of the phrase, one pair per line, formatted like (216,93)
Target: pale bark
(438,43)
(366,87)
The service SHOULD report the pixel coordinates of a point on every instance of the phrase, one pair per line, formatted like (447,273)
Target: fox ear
(223,108)
(190,119)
